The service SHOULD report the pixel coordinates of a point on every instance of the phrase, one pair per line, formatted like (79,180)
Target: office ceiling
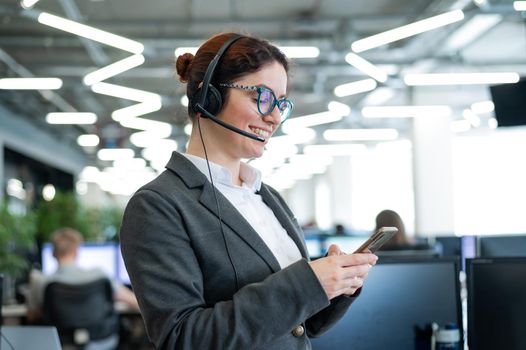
(28,48)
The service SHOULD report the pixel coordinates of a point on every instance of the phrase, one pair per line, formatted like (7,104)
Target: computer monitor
(502,246)
(496,303)
(122,273)
(510,108)
(90,255)
(399,300)
(348,244)
(450,245)
(314,246)
(29,337)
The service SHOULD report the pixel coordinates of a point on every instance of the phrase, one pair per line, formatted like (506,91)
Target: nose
(274,117)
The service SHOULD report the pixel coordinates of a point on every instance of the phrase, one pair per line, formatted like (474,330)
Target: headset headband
(212,66)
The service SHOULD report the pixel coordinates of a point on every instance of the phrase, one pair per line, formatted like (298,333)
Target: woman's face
(241,111)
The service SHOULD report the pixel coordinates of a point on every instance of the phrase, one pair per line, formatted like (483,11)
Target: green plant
(17,231)
(57,213)
(95,224)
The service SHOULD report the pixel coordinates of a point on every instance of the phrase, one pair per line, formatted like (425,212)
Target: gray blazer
(185,283)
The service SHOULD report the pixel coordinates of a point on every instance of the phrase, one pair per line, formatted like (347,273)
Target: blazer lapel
(229,215)
(233,219)
(284,219)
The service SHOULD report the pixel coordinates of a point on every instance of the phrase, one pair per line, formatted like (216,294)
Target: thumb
(334,250)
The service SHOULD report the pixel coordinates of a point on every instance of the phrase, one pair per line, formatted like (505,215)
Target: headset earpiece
(213,102)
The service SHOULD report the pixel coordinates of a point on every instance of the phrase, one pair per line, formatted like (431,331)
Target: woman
(391,218)
(216,258)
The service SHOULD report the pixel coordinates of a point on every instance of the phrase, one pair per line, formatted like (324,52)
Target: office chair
(83,314)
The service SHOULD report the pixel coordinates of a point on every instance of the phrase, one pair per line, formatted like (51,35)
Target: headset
(207,99)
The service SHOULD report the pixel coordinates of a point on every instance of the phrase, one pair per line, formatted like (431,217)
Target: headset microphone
(215,119)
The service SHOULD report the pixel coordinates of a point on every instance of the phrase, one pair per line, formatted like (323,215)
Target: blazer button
(298,331)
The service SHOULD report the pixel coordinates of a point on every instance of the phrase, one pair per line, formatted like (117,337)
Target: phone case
(378,239)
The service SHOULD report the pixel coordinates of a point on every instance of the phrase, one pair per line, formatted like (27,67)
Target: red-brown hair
(246,55)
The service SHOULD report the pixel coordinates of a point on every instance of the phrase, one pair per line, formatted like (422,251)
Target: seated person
(399,241)
(66,242)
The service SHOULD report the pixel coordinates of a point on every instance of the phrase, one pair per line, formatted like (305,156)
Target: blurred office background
(417,106)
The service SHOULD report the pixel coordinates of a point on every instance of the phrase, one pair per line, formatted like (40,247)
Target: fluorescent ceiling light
(188,49)
(124,92)
(519,5)
(88,140)
(48,192)
(115,153)
(339,108)
(154,154)
(300,51)
(471,117)
(91,33)
(405,111)
(492,123)
(146,139)
(15,188)
(136,110)
(161,129)
(300,135)
(379,96)
(360,134)
(355,87)
(289,51)
(27,4)
(458,126)
(471,30)
(483,107)
(71,118)
(30,83)
(89,174)
(407,31)
(291,125)
(461,78)
(184,100)
(130,164)
(334,150)
(366,67)
(480,3)
(279,149)
(113,69)
(188,129)
(313,160)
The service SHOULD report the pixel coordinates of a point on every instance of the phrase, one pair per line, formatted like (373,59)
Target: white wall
(490,182)
(433,175)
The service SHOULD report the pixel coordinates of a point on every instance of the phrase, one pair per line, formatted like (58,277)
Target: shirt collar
(250,176)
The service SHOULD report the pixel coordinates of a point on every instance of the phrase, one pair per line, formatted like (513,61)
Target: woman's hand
(340,273)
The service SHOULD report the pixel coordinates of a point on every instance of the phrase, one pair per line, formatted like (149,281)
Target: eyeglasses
(266,101)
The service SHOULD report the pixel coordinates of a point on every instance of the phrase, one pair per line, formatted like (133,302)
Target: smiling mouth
(260,132)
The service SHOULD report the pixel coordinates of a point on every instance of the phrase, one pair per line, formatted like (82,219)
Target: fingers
(353,285)
(356,271)
(334,250)
(342,274)
(356,259)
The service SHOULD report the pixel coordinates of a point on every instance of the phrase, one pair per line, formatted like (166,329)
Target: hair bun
(182,65)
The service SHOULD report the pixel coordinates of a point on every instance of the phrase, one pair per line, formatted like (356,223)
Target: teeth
(260,132)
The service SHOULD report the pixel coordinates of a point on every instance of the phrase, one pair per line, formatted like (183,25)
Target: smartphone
(378,239)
